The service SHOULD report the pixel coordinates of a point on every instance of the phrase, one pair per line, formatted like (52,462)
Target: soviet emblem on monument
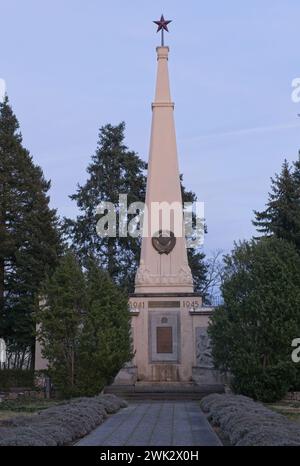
(164,241)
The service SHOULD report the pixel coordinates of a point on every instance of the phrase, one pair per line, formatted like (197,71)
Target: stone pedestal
(165,331)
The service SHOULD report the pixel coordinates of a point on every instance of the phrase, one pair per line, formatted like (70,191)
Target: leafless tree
(215,268)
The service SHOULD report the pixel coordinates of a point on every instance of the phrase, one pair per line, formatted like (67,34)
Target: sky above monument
(72,66)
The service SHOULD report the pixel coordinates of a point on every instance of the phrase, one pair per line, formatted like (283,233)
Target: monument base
(169,333)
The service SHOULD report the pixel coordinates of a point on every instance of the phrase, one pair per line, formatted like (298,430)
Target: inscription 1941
(136,305)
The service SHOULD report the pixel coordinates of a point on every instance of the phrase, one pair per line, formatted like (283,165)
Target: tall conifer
(281,218)
(29,238)
(115,170)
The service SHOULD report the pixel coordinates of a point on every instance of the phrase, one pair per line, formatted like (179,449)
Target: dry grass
(10,409)
(290,409)
(5,415)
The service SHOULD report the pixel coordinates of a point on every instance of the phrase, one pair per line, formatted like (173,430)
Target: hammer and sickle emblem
(164,242)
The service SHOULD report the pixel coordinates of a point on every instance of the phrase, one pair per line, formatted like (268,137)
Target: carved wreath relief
(164,242)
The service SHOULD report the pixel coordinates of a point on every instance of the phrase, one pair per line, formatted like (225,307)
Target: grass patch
(289,409)
(6,415)
(27,406)
(12,408)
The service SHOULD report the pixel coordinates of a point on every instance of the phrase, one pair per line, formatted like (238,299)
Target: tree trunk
(111,258)
(2,259)
(32,356)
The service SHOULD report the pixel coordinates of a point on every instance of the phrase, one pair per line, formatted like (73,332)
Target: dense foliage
(281,218)
(115,170)
(29,240)
(12,378)
(84,328)
(253,331)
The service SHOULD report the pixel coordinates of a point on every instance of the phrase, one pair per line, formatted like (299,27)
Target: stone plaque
(163,304)
(164,339)
(164,336)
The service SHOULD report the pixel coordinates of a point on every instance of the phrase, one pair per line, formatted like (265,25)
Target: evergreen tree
(281,218)
(296,172)
(253,331)
(29,238)
(105,343)
(114,170)
(84,328)
(60,318)
(196,256)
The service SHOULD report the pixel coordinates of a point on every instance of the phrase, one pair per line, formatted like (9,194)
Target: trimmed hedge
(10,378)
(59,425)
(245,422)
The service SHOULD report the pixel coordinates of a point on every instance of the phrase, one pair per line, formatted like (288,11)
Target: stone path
(155,423)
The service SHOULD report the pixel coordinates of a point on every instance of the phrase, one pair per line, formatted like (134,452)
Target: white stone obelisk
(163,272)
(166,313)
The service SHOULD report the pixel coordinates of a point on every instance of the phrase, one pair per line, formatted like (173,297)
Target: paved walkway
(154,423)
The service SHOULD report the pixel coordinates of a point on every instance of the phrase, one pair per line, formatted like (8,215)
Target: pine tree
(61,317)
(105,343)
(196,256)
(29,238)
(114,170)
(84,327)
(296,171)
(296,176)
(253,331)
(281,218)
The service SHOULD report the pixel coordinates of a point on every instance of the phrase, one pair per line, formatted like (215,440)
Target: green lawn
(9,409)
(290,409)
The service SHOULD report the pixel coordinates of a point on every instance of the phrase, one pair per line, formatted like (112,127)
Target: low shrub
(245,422)
(267,385)
(10,378)
(61,424)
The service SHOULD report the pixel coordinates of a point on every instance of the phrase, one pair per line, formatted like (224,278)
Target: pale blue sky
(71,66)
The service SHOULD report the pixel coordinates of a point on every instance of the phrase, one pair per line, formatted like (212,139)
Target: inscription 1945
(191,304)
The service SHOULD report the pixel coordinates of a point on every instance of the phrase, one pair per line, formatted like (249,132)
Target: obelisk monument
(163,271)
(164,304)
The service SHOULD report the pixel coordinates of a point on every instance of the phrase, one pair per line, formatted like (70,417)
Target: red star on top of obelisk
(162,25)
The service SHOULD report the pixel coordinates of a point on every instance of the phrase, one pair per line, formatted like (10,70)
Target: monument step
(163,391)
